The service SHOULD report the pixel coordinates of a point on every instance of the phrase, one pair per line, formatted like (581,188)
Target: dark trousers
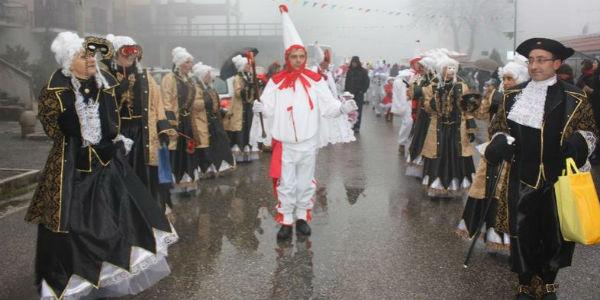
(360,110)
(537,246)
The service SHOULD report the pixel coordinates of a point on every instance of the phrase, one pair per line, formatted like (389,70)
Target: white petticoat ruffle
(146,268)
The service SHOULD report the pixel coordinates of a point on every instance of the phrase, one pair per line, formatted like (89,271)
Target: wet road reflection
(375,236)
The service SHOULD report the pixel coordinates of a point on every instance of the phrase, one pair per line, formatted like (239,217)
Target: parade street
(376,235)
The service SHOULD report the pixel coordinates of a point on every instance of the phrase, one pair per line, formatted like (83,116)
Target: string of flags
(366,10)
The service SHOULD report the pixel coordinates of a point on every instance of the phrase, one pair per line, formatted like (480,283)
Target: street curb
(11,185)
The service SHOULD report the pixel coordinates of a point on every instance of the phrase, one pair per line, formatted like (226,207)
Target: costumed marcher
(98,235)
(179,94)
(386,103)
(376,91)
(401,107)
(447,151)
(424,68)
(549,120)
(339,129)
(258,141)
(142,111)
(357,83)
(238,119)
(497,237)
(296,98)
(212,142)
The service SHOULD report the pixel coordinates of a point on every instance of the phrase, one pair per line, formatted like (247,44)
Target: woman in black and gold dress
(212,140)
(98,236)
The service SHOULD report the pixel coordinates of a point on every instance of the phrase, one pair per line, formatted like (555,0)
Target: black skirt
(183,162)
(450,167)
(112,216)
(133,129)
(419,133)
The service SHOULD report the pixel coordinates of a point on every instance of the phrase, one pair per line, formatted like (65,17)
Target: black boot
(549,291)
(285,232)
(302,227)
(524,293)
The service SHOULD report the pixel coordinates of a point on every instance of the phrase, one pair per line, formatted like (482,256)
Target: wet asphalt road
(375,236)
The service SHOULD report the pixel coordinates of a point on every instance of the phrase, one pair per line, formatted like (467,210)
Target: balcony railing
(13,14)
(216,30)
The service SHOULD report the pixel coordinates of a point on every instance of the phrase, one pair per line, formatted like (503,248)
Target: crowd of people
(123,144)
(527,118)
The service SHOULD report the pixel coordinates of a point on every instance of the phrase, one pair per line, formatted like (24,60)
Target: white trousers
(406,123)
(297,186)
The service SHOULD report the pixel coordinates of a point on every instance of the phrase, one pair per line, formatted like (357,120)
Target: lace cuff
(590,140)
(128,143)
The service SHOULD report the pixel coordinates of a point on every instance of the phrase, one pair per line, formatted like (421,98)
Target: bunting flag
(326,4)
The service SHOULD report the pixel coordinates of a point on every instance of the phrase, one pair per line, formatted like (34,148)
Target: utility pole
(515,27)
(81,29)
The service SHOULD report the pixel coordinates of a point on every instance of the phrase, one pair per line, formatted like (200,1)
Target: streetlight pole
(515,27)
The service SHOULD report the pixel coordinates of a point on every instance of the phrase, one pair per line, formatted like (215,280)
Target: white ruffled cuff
(127,142)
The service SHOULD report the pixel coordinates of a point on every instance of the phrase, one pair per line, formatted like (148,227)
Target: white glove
(258,107)
(348,106)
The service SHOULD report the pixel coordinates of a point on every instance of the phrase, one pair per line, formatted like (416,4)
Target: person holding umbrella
(549,120)
(296,98)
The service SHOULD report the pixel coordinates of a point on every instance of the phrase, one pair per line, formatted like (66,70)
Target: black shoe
(524,293)
(549,291)
(302,227)
(285,232)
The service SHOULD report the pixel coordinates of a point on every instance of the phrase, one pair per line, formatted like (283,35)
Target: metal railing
(14,14)
(217,29)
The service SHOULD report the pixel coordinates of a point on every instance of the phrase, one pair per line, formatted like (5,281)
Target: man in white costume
(401,107)
(296,98)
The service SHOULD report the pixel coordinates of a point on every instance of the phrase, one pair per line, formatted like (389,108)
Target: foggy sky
(376,35)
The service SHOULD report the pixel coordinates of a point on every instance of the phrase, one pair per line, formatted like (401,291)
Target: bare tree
(463,18)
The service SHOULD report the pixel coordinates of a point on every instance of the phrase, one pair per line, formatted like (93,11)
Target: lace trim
(590,140)
(127,142)
(528,109)
(141,260)
(89,116)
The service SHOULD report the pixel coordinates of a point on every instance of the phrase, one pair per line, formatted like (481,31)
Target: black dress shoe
(302,227)
(550,291)
(524,293)
(285,232)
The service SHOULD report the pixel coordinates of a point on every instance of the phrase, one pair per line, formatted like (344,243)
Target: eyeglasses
(540,60)
(505,78)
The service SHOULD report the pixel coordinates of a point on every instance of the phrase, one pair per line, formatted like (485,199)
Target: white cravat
(528,109)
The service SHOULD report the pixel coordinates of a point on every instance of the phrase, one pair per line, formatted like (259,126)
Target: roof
(589,43)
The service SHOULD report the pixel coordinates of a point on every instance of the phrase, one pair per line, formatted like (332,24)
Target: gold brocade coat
(154,118)
(170,98)
(51,201)
(233,120)
(200,118)
(431,141)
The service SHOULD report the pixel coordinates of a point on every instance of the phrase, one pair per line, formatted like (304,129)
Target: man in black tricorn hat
(549,120)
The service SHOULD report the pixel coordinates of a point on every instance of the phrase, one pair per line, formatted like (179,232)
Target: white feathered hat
(290,34)
(180,55)
(65,46)
(119,41)
(517,68)
(240,62)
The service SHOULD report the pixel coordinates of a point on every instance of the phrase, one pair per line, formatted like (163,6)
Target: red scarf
(288,76)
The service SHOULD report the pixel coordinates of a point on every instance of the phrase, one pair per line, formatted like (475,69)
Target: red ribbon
(288,76)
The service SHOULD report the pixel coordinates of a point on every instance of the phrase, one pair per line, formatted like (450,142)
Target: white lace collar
(528,109)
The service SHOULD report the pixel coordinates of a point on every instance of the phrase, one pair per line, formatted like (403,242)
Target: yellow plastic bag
(578,206)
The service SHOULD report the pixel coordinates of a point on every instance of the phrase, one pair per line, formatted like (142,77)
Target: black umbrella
(228,68)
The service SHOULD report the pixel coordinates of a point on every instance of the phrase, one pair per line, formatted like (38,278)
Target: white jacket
(293,120)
